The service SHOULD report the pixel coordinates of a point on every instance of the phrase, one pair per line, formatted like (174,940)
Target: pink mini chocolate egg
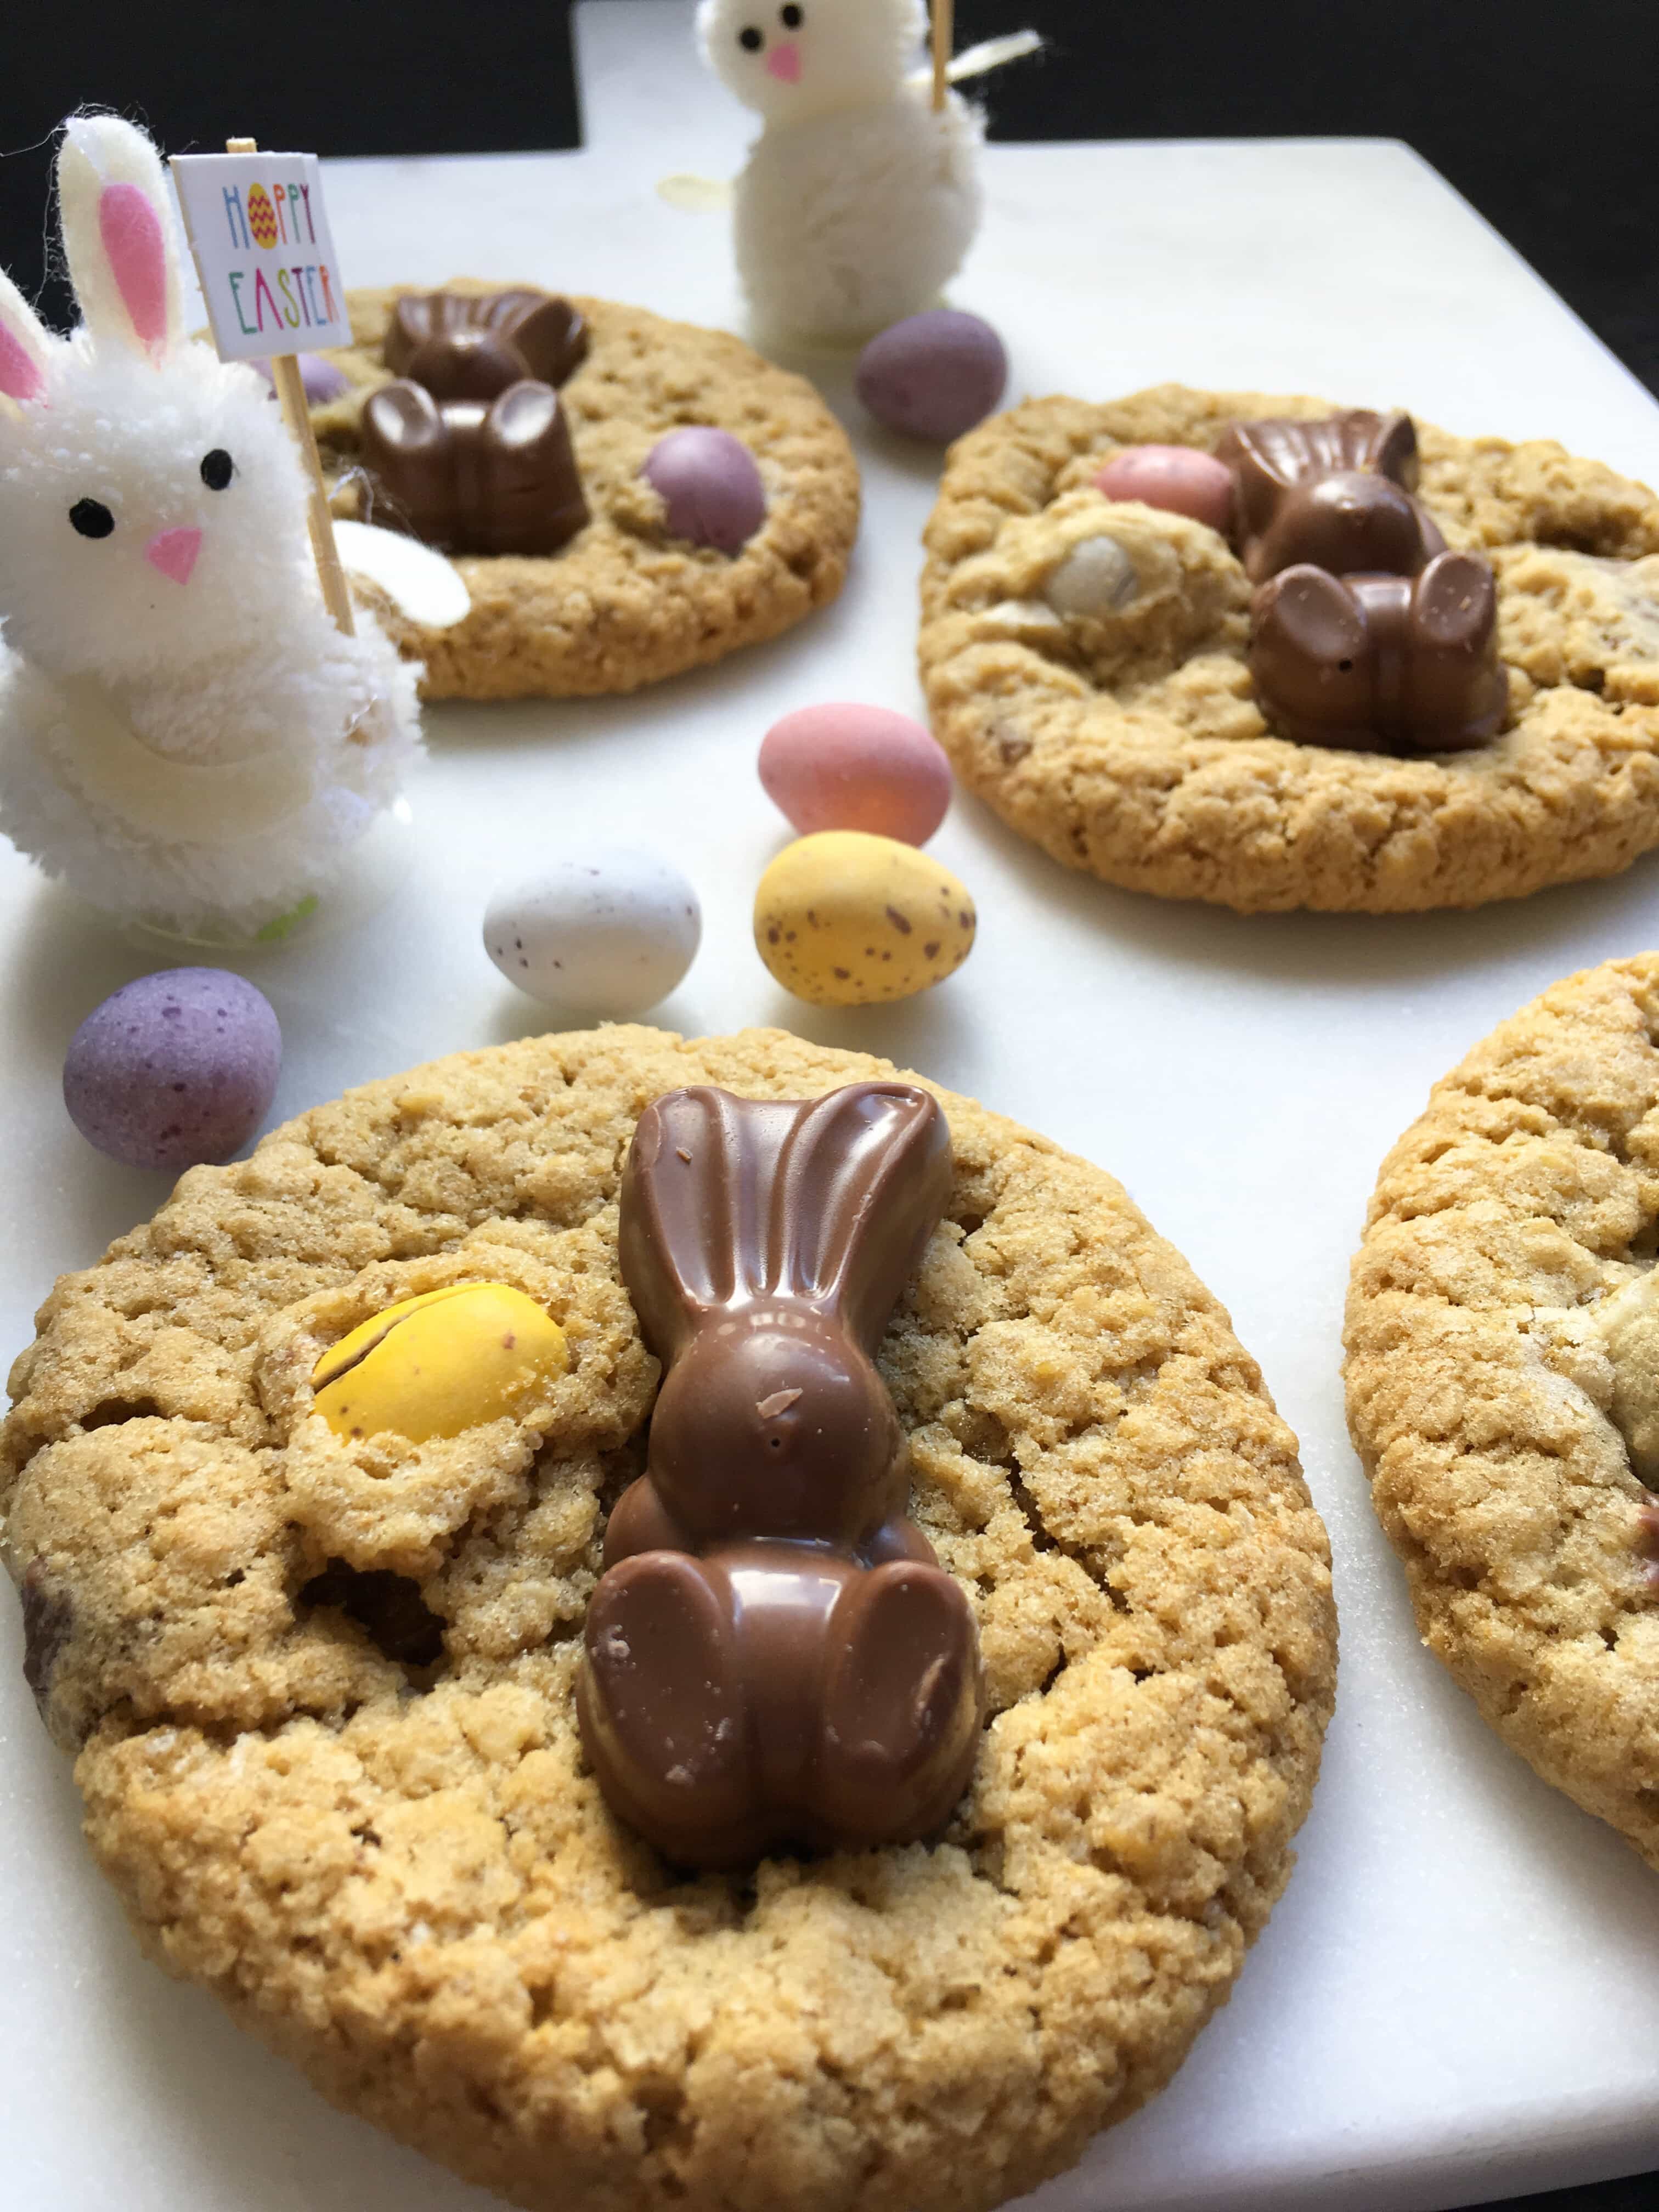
(1177,478)
(851,767)
(709,485)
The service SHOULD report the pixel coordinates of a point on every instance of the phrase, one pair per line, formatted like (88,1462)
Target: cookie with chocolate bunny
(1503,1383)
(626,497)
(1271,653)
(680,1624)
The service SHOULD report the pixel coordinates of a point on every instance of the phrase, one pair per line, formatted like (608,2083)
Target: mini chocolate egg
(1177,478)
(604,931)
(174,1069)
(933,375)
(851,767)
(439,1363)
(1095,579)
(321,380)
(843,919)
(709,485)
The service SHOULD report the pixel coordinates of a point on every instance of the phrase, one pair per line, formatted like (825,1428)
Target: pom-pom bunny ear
(117,233)
(25,348)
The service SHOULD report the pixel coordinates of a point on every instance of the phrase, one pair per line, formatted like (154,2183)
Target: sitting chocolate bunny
(1365,632)
(471,447)
(774,1655)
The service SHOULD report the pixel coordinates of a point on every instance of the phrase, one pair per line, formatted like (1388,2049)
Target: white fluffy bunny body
(859,201)
(184,735)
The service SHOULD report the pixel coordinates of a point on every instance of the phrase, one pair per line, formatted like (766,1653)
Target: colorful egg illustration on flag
(261,215)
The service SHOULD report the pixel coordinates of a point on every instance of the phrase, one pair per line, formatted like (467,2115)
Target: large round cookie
(321,1695)
(1130,745)
(1502,1336)
(623,604)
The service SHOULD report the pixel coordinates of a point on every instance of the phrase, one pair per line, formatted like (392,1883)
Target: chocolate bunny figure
(471,444)
(1366,631)
(774,1655)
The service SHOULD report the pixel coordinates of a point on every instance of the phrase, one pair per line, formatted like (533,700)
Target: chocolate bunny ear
(727,1201)
(1270,457)
(863,1177)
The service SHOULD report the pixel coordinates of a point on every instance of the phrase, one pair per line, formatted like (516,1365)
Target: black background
(1542,112)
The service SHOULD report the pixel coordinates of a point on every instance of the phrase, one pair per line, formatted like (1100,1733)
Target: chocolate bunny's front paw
(902,1704)
(663,1711)
(1311,658)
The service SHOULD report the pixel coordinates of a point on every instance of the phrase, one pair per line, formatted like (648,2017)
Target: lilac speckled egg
(174,1069)
(933,375)
(1177,478)
(849,767)
(322,380)
(709,484)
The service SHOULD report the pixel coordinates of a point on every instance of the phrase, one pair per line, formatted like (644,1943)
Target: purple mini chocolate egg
(174,1068)
(708,481)
(322,380)
(933,375)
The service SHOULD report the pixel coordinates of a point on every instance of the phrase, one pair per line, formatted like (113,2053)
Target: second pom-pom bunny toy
(186,737)
(862,196)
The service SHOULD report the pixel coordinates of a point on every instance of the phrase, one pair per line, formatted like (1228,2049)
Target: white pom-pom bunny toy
(185,738)
(860,199)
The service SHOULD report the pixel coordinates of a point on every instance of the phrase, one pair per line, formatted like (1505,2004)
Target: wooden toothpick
(291,398)
(944,36)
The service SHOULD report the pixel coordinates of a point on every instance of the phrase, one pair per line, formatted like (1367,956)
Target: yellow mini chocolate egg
(844,919)
(439,1364)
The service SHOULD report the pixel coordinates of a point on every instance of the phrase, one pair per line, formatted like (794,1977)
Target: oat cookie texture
(624,603)
(1127,741)
(319,1692)
(1503,1380)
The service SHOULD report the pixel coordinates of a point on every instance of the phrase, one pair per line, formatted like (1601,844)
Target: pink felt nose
(784,62)
(173,552)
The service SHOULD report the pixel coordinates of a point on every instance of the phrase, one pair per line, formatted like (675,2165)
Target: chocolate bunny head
(463,346)
(764,1244)
(1336,493)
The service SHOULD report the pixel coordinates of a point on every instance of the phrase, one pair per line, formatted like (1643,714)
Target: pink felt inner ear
(20,373)
(131,231)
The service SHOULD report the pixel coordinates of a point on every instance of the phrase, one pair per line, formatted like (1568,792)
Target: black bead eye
(91,518)
(217,468)
(792,18)
(751,39)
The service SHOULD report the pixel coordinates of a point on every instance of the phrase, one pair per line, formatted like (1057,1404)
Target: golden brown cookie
(1126,742)
(1503,1378)
(320,1692)
(623,604)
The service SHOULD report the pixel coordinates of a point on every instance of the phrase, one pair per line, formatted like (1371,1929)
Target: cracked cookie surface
(320,1692)
(1497,1359)
(623,604)
(1126,742)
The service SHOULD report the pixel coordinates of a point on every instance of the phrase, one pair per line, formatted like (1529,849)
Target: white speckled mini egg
(605,932)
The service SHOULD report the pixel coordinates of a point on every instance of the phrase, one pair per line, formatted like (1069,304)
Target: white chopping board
(1459,1994)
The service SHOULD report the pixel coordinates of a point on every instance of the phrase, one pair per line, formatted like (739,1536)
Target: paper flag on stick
(259,231)
(264,252)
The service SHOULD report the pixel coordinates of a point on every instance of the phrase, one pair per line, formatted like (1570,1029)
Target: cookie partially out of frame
(623,604)
(1131,746)
(320,1694)
(1503,1380)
